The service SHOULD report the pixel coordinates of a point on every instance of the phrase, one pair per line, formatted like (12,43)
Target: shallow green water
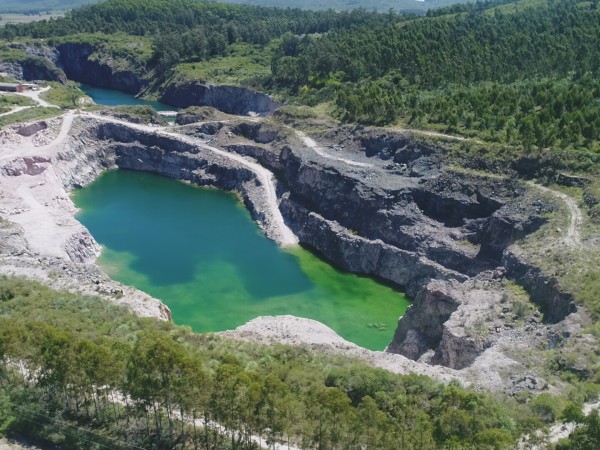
(111,97)
(199,251)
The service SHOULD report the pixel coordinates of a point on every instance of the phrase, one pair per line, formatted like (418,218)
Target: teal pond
(111,97)
(199,251)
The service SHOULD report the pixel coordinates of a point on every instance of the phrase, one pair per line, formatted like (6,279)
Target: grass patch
(66,96)
(245,65)
(312,119)
(15,100)
(28,115)
(11,54)
(117,44)
(8,102)
(136,114)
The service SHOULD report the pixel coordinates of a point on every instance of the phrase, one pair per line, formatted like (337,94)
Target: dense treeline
(462,7)
(188,29)
(518,75)
(432,52)
(544,62)
(81,373)
(155,17)
(152,17)
(536,112)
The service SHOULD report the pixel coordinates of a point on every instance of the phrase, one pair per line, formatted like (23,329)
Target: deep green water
(111,97)
(199,251)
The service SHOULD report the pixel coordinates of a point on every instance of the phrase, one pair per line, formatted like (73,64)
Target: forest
(79,372)
(523,74)
(526,78)
(37,6)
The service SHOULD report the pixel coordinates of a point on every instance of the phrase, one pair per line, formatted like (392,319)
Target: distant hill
(35,6)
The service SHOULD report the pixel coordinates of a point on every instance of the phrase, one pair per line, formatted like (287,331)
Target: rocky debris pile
(46,135)
(526,383)
(9,138)
(17,259)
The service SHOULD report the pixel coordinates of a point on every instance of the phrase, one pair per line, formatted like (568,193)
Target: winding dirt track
(572,237)
(28,149)
(35,96)
(309,142)
(16,109)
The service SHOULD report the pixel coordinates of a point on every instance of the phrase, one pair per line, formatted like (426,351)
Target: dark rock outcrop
(82,63)
(446,318)
(402,211)
(35,68)
(30,130)
(258,132)
(359,255)
(41,63)
(229,99)
(265,156)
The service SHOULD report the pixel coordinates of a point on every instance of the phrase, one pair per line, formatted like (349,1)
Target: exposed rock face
(33,68)
(38,50)
(446,317)
(229,99)
(359,255)
(545,291)
(12,242)
(12,69)
(421,328)
(82,63)
(441,218)
(41,64)
(265,156)
(258,132)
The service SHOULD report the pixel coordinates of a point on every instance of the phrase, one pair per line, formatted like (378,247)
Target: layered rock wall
(82,63)
(229,99)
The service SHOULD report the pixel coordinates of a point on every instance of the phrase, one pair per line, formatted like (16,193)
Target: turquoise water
(199,251)
(111,97)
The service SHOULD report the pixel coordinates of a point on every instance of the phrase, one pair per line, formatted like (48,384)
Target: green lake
(199,251)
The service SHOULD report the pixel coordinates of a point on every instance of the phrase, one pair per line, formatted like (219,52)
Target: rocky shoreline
(371,202)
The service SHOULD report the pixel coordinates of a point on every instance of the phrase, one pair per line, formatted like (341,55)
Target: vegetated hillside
(111,380)
(522,74)
(528,78)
